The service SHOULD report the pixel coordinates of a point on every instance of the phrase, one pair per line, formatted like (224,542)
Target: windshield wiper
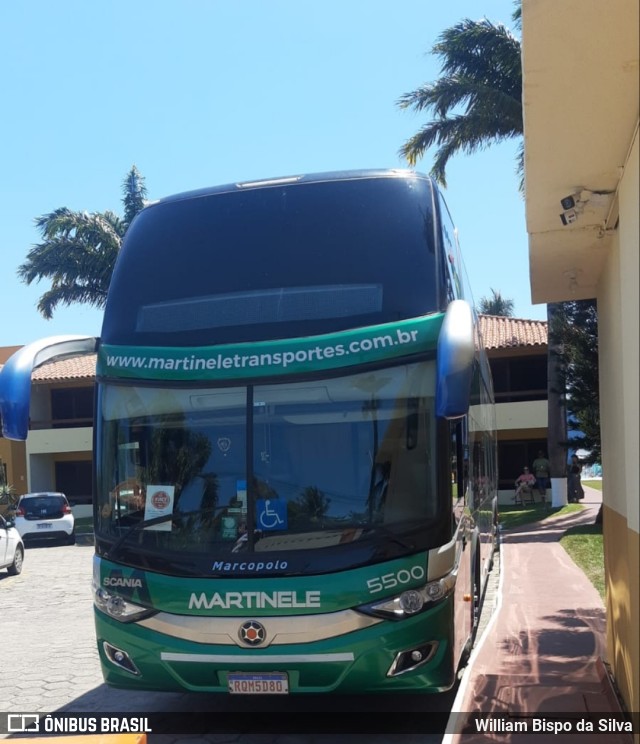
(158,520)
(393,537)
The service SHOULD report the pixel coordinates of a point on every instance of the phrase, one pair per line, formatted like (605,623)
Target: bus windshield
(331,462)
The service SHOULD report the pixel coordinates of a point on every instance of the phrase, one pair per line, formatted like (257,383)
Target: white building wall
(41,473)
(529,414)
(618,315)
(60,440)
(43,445)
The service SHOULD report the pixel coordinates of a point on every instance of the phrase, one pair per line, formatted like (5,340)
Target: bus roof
(346,175)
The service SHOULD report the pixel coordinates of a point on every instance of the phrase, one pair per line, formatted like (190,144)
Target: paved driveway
(49,663)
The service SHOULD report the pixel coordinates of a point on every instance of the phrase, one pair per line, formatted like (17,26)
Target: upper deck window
(287,260)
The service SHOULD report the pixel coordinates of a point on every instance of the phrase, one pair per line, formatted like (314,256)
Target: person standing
(575,492)
(541,470)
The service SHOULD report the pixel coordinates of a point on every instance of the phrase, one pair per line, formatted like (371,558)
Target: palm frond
(64,221)
(476,102)
(465,133)
(479,49)
(64,294)
(496,305)
(77,256)
(449,93)
(516,16)
(520,168)
(78,251)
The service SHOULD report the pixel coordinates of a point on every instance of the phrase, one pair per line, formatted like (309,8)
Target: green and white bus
(294,447)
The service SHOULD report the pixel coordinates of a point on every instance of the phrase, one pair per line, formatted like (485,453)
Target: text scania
(254,600)
(122,582)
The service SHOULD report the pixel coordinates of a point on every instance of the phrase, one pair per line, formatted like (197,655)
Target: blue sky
(204,92)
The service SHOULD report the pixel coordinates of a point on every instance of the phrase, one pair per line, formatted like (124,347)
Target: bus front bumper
(411,655)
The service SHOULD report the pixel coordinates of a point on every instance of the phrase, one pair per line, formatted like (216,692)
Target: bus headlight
(412,601)
(118,607)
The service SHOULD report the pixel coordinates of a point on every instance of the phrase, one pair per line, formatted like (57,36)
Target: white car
(11,547)
(45,515)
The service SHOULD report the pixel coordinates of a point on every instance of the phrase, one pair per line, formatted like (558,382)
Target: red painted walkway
(542,654)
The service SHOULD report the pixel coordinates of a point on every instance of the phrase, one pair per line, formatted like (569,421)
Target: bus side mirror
(456,351)
(15,377)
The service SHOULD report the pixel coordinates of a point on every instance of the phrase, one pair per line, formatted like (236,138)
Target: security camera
(569,202)
(569,216)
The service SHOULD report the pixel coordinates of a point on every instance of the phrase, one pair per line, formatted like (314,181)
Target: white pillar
(558,491)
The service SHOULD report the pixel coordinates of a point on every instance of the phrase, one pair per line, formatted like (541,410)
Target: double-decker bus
(294,448)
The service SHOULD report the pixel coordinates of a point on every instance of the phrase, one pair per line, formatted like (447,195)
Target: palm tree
(79,250)
(477,102)
(496,305)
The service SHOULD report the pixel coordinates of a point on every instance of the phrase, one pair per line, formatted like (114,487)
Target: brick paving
(543,652)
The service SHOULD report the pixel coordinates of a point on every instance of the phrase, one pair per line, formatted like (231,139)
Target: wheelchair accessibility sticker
(271,514)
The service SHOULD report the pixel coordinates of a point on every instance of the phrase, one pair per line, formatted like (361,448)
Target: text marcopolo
(249,566)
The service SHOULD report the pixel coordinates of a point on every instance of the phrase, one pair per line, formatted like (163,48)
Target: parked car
(45,515)
(11,547)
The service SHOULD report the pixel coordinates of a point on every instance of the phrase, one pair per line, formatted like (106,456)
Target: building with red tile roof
(512,333)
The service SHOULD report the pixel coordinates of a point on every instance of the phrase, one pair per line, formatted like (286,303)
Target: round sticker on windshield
(160,500)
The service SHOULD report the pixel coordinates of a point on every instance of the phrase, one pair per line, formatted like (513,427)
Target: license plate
(44,526)
(273,683)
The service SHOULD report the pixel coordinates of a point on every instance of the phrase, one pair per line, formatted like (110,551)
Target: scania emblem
(252,633)
(224,444)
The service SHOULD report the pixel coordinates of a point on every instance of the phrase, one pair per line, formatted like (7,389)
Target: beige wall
(629,231)
(6,352)
(528,414)
(13,456)
(618,313)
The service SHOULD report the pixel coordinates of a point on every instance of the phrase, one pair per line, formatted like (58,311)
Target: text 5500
(392,580)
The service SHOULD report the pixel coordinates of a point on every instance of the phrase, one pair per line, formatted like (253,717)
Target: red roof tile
(72,368)
(506,333)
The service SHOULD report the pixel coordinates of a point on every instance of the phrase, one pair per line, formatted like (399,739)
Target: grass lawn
(593,484)
(584,545)
(515,516)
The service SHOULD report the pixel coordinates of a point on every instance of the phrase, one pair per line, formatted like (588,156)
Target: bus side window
(451,252)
